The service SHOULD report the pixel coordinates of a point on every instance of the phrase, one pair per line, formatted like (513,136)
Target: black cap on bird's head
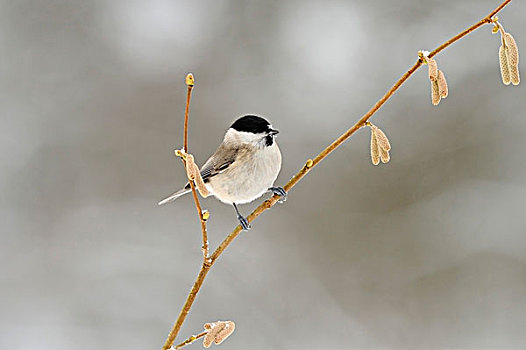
(253,124)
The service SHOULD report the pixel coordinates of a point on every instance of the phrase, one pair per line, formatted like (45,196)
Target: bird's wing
(216,164)
(219,161)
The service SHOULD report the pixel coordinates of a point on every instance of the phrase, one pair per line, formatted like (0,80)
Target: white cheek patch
(243,136)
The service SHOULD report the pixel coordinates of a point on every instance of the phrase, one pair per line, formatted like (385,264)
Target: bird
(244,166)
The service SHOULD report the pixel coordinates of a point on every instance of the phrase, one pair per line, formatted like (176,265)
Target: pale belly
(245,183)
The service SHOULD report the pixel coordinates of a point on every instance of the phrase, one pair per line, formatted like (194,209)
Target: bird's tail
(174,196)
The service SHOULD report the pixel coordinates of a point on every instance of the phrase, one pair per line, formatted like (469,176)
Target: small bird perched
(244,166)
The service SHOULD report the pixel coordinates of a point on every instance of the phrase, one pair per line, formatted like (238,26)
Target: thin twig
(190,340)
(203,223)
(267,204)
(485,20)
(187,305)
(190,83)
(206,259)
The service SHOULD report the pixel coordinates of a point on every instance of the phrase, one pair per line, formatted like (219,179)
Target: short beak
(273,132)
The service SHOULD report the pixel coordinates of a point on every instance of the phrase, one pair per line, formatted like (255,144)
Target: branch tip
(180,153)
(190,80)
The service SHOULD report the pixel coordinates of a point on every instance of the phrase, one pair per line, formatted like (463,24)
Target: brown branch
(203,223)
(190,83)
(190,340)
(206,259)
(483,21)
(311,163)
(187,305)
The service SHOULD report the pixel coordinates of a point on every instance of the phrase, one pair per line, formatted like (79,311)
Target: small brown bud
(190,79)
(442,84)
(180,153)
(433,69)
(375,150)
(504,68)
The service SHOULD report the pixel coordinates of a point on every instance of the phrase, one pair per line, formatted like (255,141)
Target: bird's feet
(280,192)
(243,222)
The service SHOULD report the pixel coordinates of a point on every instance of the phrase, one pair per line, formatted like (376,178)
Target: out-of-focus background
(428,250)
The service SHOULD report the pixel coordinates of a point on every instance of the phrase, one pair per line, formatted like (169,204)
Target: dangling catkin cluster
(380,145)
(193,173)
(217,332)
(192,170)
(508,56)
(436,76)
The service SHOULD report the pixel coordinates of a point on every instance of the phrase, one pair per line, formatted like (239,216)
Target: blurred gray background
(426,251)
